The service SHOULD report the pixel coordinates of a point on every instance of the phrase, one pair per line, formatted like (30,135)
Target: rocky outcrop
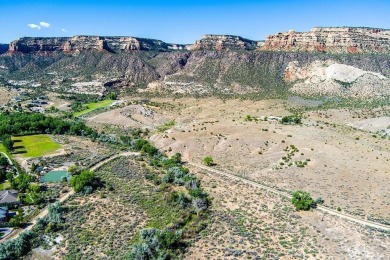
(82,43)
(34,44)
(335,79)
(331,40)
(223,42)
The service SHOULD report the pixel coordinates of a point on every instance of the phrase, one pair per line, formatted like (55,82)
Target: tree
(302,200)
(21,182)
(10,177)
(17,220)
(74,170)
(112,96)
(3,161)
(85,178)
(3,166)
(8,143)
(208,161)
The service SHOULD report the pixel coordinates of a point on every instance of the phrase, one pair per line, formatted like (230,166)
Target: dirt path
(63,197)
(285,194)
(100,164)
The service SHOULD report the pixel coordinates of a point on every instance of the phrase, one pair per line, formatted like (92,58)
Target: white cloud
(44,24)
(64,30)
(34,26)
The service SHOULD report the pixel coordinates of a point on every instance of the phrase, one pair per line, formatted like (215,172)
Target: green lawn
(4,185)
(92,106)
(35,145)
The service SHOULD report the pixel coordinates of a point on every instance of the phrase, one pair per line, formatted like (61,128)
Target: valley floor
(347,167)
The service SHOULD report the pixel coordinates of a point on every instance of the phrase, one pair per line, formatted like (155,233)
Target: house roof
(8,196)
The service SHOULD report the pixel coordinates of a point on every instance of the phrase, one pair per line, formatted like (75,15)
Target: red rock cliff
(331,40)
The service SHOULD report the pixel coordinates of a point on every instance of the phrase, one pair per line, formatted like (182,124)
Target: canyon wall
(319,39)
(223,42)
(331,40)
(82,43)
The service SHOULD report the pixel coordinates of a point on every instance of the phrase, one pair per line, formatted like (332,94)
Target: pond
(55,176)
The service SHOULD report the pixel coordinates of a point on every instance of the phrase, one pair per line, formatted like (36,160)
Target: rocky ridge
(223,42)
(319,39)
(331,40)
(82,43)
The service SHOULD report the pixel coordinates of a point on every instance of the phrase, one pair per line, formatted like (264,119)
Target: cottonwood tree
(302,200)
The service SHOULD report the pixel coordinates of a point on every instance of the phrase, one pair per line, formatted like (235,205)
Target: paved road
(64,196)
(285,194)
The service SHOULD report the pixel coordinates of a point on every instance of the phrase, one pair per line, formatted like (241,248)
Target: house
(8,198)
(3,214)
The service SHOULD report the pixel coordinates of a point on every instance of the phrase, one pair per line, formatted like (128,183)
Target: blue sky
(183,21)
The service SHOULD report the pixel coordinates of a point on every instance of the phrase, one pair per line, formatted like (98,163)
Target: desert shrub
(87,190)
(192,183)
(319,200)
(200,204)
(168,125)
(208,161)
(179,173)
(302,200)
(55,213)
(168,178)
(156,244)
(292,119)
(183,200)
(144,146)
(197,193)
(16,248)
